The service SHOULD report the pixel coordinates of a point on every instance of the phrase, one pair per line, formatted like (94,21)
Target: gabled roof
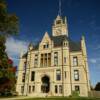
(75,46)
(36,47)
(58,40)
(46,38)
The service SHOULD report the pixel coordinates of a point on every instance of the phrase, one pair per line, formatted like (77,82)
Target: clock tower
(60,26)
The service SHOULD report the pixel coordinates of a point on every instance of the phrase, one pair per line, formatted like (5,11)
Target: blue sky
(37,16)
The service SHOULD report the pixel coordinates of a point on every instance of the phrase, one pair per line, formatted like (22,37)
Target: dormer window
(46,46)
(65,43)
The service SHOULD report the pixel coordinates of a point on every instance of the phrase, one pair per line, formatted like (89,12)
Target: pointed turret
(83,46)
(30,46)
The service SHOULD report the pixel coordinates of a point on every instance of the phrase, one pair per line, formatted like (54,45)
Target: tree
(8,26)
(97,87)
(8,22)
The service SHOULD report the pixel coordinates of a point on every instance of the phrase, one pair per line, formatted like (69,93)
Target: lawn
(62,98)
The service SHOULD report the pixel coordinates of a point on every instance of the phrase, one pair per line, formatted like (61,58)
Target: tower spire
(59,12)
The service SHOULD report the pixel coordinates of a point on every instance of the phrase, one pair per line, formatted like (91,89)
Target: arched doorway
(45,87)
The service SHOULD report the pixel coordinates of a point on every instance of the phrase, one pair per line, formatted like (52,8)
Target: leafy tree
(8,26)
(97,87)
(8,22)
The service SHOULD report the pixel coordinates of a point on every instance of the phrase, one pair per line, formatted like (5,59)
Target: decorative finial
(65,20)
(59,12)
(83,37)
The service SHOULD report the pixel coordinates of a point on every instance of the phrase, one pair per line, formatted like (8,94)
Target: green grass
(62,98)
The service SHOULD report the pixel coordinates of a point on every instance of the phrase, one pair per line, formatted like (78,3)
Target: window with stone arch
(58,75)
(55,58)
(76,75)
(75,61)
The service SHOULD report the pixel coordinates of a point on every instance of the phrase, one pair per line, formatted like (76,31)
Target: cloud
(97,47)
(14,47)
(93,61)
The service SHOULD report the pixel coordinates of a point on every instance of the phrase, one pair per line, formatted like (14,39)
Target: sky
(36,17)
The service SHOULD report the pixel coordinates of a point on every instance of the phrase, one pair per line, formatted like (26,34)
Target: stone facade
(56,66)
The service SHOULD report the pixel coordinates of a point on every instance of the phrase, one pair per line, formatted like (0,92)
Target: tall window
(56,58)
(22,89)
(36,60)
(45,60)
(33,88)
(29,89)
(65,74)
(58,75)
(49,59)
(76,75)
(77,88)
(56,89)
(42,58)
(64,60)
(25,65)
(23,77)
(60,88)
(32,76)
(75,61)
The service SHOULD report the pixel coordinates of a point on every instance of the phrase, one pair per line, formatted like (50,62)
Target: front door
(45,87)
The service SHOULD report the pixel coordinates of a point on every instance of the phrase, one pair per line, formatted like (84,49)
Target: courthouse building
(56,66)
